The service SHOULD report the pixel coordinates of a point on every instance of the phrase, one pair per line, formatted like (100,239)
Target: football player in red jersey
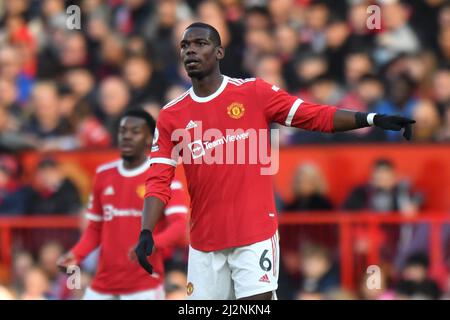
(114,215)
(234,251)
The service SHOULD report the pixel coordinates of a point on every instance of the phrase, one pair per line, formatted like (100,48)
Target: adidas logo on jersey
(264,278)
(191,125)
(109,191)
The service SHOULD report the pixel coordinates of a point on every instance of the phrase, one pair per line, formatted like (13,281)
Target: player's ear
(220,53)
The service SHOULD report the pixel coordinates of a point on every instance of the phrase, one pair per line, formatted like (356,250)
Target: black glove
(395,123)
(144,249)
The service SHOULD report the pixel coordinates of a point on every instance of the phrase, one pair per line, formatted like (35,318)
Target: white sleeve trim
(370,117)
(176,209)
(164,161)
(176,185)
(93,217)
(292,112)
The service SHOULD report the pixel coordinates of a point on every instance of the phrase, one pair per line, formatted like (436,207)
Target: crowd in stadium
(66,90)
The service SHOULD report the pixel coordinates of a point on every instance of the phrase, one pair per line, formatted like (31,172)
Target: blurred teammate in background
(234,249)
(114,215)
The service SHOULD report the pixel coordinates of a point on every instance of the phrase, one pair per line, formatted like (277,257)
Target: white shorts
(234,273)
(152,294)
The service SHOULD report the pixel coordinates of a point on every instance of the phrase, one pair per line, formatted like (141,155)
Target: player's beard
(196,74)
(128,158)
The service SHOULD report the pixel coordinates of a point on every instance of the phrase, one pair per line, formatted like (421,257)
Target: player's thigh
(152,294)
(254,268)
(90,294)
(209,276)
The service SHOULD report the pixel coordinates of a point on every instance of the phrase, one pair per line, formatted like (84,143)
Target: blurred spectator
(48,256)
(45,124)
(144,82)
(319,274)
(11,69)
(6,294)
(313,34)
(36,285)
(230,33)
(175,285)
(400,100)
(357,64)
(428,122)
(9,96)
(22,263)
(415,283)
(257,18)
(88,130)
(337,35)
(384,192)
(12,194)
(308,67)
(370,91)
(258,43)
(74,51)
(114,100)
(361,36)
(287,43)
(81,82)
(112,56)
(153,108)
(441,89)
(398,36)
(370,291)
(132,16)
(444,133)
(444,45)
(52,192)
(309,190)
(269,68)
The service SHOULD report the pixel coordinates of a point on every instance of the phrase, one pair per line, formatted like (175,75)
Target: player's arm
(157,187)
(91,237)
(291,111)
(345,120)
(175,216)
(156,198)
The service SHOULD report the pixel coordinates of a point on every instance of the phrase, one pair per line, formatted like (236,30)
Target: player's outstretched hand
(65,261)
(144,249)
(395,123)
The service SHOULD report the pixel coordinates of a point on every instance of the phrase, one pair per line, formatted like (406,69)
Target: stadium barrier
(339,231)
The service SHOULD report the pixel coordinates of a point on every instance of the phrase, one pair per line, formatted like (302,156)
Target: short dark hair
(213,33)
(141,113)
(384,163)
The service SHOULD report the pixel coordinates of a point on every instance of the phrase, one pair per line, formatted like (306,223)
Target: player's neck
(134,163)
(208,85)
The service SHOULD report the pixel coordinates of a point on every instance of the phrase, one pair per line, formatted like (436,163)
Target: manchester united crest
(190,288)
(236,110)
(140,190)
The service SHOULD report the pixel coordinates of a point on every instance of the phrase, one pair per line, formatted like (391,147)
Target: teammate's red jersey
(232,201)
(114,215)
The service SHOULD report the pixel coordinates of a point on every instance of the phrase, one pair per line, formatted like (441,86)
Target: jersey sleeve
(178,203)
(291,111)
(163,147)
(91,237)
(175,216)
(94,211)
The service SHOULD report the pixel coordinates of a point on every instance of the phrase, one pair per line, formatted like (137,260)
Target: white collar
(133,172)
(211,96)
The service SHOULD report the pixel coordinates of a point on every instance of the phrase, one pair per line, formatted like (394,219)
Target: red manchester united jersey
(224,143)
(114,214)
